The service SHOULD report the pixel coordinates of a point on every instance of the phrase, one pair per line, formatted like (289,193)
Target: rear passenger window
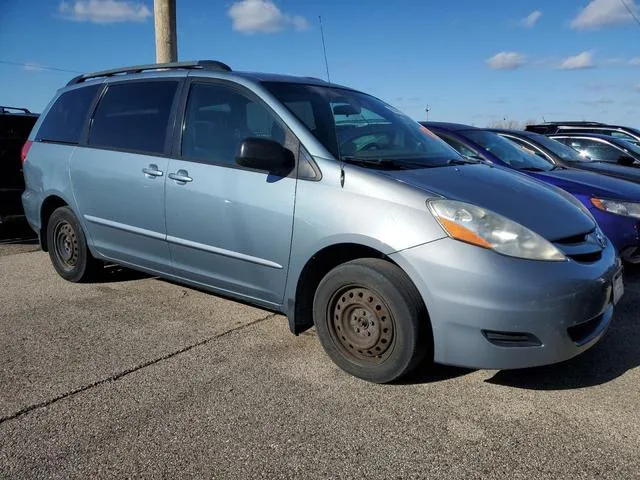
(134,116)
(65,119)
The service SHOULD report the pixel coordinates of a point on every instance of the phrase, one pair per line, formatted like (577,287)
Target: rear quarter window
(65,119)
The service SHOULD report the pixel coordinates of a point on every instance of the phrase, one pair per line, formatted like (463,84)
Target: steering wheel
(371,146)
(358,132)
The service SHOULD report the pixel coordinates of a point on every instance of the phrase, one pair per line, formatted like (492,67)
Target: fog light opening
(512,339)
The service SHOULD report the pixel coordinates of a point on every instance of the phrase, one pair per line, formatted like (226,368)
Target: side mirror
(626,161)
(265,154)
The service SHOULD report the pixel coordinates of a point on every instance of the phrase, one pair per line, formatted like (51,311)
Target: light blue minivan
(323,203)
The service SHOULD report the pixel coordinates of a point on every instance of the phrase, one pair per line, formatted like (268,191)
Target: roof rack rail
(5,109)
(572,123)
(202,64)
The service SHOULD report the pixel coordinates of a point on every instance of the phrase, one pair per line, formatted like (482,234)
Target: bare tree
(510,124)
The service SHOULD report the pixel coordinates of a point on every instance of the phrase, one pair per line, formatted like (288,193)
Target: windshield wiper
(461,161)
(475,158)
(384,162)
(403,162)
(532,169)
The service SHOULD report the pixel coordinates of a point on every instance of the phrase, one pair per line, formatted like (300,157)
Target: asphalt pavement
(135,377)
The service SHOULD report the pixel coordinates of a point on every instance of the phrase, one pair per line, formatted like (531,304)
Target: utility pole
(164,13)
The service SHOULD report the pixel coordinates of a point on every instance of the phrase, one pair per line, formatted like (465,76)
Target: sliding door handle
(152,171)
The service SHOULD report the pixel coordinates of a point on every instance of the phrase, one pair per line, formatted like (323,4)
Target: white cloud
(506,61)
(602,13)
(578,62)
(531,19)
(637,87)
(104,11)
(635,62)
(262,16)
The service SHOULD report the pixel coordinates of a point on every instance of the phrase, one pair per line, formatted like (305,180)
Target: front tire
(371,320)
(68,249)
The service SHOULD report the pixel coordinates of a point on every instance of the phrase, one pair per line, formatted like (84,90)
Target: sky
(468,61)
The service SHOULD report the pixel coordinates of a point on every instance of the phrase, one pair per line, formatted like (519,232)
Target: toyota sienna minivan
(323,203)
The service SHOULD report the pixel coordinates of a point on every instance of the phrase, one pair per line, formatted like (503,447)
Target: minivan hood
(506,192)
(582,182)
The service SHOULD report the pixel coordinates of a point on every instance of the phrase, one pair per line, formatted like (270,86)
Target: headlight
(477,226)
(628,209)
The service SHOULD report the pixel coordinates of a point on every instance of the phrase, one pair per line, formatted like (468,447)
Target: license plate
(618,287)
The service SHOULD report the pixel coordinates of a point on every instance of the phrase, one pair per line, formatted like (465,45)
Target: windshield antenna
(324,48)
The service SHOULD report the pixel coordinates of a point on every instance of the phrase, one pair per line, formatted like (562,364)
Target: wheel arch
(300,306)
(49,205)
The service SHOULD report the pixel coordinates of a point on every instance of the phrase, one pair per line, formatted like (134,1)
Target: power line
(37,67)
(631,12)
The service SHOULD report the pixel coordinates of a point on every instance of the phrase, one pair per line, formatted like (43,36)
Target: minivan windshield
(509,152)
(360,128)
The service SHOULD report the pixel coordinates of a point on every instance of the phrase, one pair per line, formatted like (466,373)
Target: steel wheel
(66,244)
(361,324)
(371,320)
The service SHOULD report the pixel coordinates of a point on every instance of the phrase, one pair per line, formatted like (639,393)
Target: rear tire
(68,249)
(371,320)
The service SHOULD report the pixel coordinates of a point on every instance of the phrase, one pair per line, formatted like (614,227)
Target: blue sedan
(614,203)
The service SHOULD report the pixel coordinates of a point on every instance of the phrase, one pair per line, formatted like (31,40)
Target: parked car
(563,155)
(383,237)
(15,125)
(614,131)
(615,203)
(602,148)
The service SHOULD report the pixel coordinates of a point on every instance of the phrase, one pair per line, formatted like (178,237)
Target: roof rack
(213,65)
(4,109)
(572,123)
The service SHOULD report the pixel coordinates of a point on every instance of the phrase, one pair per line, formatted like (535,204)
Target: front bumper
(540,308)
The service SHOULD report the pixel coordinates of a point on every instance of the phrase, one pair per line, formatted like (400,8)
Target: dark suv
(616,131)
(15,125)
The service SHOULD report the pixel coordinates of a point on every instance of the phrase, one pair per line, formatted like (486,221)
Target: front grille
(583,247)
(586,257)
(580,238)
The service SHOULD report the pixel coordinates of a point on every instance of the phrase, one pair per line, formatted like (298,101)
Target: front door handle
(152,170)
(181,176)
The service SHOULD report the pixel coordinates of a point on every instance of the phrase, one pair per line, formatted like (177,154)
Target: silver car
(323,203)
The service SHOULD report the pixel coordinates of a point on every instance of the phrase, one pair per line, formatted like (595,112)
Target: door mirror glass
(626,161)
(265,154)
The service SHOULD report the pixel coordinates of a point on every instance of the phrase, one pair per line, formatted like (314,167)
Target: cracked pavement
(137,377)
